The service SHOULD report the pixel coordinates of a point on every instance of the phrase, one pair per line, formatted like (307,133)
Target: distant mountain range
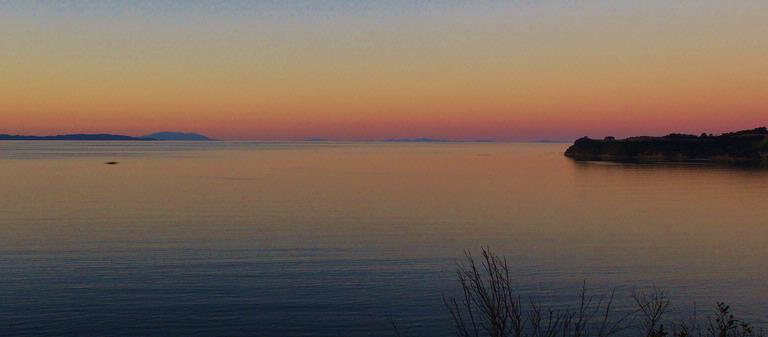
(101,136)
(417,140)
(409,140)
(433,140)
(178,136)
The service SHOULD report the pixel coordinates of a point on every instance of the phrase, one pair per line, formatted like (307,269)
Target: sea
(355,238)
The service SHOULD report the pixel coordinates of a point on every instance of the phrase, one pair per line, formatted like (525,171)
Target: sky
(365,70)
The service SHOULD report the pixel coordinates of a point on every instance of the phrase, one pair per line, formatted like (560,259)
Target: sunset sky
(281,69)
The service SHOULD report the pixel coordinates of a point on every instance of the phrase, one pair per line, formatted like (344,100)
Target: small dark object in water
(111,163)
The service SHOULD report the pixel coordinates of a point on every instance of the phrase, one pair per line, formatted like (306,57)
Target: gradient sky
(281,69)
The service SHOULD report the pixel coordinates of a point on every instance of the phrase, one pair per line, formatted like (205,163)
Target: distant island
(110,137)
(407,140)
(99,137)
(417,140)
(178,136)
(747,146)
(433,140)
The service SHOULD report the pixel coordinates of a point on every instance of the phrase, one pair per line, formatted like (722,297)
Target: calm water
(300,239)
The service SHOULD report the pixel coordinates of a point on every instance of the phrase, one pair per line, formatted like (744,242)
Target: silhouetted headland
(99,137)
(748,146)
(180,136)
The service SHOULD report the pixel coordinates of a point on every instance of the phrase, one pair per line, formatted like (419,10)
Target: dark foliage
(748,146)
(489,306)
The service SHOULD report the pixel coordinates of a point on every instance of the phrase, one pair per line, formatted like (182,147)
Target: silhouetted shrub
(488,305)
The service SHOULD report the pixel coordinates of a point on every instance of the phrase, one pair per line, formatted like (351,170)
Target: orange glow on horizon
(485,71)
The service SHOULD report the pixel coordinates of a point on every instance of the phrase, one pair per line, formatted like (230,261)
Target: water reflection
(300,239)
